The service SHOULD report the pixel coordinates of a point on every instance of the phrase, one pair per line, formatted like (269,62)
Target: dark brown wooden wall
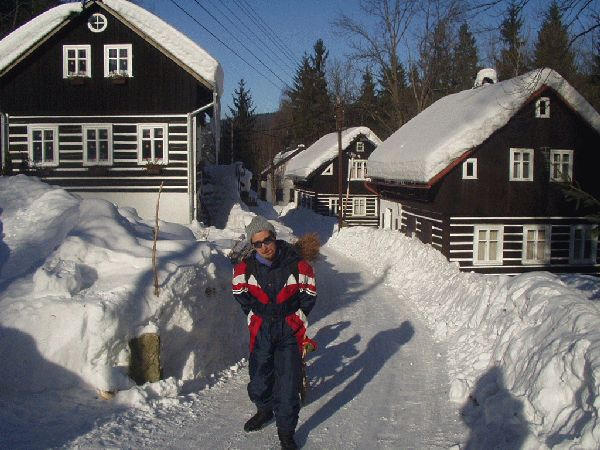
(329,183)
(492,194)
(159,85)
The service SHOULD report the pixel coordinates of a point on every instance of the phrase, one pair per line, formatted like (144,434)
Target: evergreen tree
(366,104)
(465,60)
(241,119)
(390,117)
(593,79)
(552,48)
(310,105)
(14,13)
(513,59)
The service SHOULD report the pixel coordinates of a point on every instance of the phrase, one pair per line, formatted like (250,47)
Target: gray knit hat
(258,224)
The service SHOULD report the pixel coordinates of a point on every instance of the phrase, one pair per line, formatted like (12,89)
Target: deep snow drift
(76,285)
(524,352)
(82,288)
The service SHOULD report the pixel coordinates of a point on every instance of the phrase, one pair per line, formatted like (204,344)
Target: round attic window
(97,23)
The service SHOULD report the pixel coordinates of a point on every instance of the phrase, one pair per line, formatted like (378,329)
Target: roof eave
(208,84)
(34,45)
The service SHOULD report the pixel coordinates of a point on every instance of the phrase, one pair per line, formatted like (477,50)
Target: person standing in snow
(276,290)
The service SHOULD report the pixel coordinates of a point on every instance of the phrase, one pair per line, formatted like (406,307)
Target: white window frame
(561,153)
(360,147)
(353,167)
(588,231)
(537,259)
(97,19)
(519,176)
(88,61)
(55,153)
(500,245)
(332,205)
(359,204)
(328,170)
(97,161)
(125,73)
(538,108)
(465,172)
(165,139)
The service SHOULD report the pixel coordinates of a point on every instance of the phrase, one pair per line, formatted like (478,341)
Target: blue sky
(298,24)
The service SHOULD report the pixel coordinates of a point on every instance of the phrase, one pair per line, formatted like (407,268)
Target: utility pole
(231,148)
(339,121)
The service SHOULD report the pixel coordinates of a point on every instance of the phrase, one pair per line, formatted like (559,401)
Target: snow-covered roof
(455,124)
(168,39)
(281,158)
(325,149)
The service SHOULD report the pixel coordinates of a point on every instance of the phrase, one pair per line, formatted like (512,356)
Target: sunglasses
(266,241)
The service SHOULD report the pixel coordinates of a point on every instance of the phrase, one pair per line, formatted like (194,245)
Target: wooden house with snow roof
(315,175)
(107,100)
(480,176)
(274,187)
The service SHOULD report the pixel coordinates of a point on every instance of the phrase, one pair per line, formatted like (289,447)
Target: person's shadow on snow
(330,360)
(362,369)
(494,415)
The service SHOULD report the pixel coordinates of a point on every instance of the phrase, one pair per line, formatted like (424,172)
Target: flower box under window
(76,79)
(152,168)
(118,78)
(98,171)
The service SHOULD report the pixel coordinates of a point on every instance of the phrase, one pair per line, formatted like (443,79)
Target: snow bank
(83,287)
(527,346)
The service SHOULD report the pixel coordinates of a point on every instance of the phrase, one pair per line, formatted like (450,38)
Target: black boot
(287,440)
(258,420)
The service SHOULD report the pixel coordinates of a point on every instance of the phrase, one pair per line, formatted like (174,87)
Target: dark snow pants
(276,372)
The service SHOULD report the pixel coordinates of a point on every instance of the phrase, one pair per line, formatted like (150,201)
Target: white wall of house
(390,214)
(174,206)
(286,187)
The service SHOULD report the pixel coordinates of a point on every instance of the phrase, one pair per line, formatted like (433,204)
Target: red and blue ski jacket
(285,290)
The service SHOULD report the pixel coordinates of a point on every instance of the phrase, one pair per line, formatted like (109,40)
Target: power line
(240,42)
(281,44)
(225,45)
(265,45)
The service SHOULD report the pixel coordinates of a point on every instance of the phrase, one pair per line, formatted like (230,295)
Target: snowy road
(378,381)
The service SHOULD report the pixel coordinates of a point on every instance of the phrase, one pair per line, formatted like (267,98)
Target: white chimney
(485,76)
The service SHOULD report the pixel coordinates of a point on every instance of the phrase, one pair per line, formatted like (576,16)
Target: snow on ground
(524,352)
(77,285)
(523,357)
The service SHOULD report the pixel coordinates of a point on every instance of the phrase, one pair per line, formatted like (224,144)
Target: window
(328,170)
(536,244)
(43,145)
(117,60)
(487,244)
(360,147)
(521,164)
(359,206)
(97,23)
(358,169)
(469,169)
(152,144)
(76,61)
(97,145)
(584,245)
(333,206)
(561,165)
(542,108)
